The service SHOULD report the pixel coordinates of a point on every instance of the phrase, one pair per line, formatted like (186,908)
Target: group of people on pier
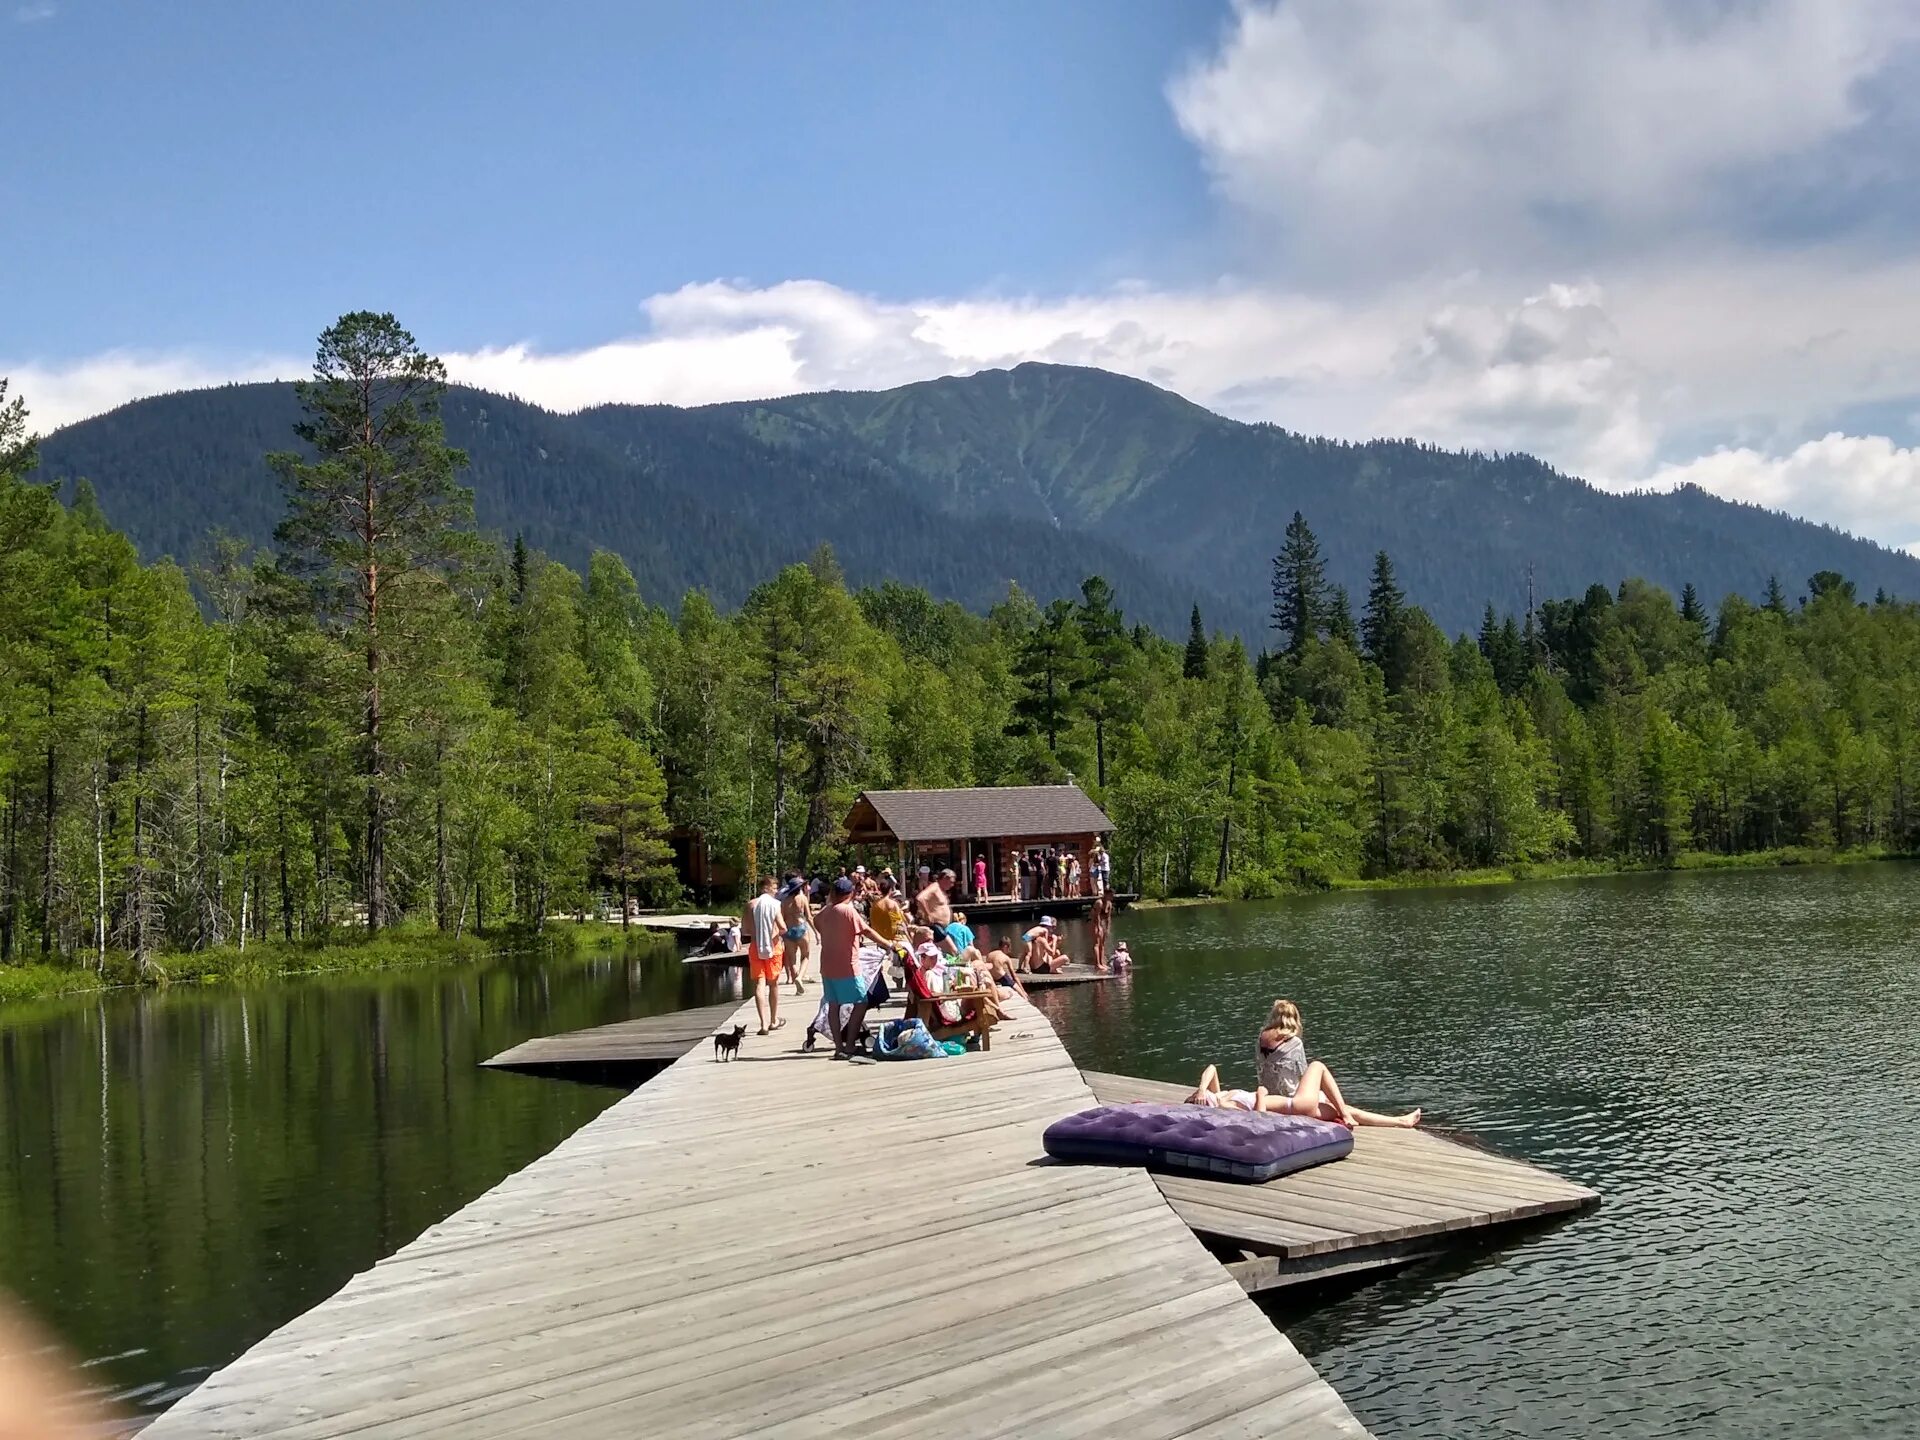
(846,931)
(1047,872)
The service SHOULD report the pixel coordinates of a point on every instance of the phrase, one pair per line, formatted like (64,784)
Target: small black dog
(726,1045)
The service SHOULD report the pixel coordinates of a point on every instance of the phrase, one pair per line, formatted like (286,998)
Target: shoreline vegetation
(265,961)
(392,726)
(1685,862)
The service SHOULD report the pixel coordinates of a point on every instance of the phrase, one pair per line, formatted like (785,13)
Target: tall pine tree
(1300,602)
(371,504)
(1380,625)
(1194,666)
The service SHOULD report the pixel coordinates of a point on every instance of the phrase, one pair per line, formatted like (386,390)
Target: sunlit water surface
(1730,1059)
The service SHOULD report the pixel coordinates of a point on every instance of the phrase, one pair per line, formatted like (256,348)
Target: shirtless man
(841,929)
(999,965)
(1043,955)
(935,904)
(797,916)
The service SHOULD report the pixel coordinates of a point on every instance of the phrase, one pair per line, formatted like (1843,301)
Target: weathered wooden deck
(1402,1195)
(622,1053)
(1078,973)
(786,1245)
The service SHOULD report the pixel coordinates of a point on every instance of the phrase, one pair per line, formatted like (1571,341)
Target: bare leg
(1320,1094)
(760,1006)
(849,1036)
(1209,1085)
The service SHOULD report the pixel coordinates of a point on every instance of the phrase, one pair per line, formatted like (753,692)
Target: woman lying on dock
(1306,1087)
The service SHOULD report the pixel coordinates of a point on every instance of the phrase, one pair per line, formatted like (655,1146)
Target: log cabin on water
(952,829)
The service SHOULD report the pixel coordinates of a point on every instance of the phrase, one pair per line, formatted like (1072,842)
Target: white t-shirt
(767,925)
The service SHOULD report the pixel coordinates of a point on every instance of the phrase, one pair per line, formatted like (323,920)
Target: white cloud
(1447,132)
(59,394)
(1862,483)
(1504,226)
(34,12)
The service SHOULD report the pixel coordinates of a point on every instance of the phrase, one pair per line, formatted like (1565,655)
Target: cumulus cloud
(60,394)
(1865,484)
(1382,133)
(1554,227)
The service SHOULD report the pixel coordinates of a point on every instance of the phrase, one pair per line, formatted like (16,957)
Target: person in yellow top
(885,915)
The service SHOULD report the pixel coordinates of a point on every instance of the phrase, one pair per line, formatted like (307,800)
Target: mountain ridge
(1037,475)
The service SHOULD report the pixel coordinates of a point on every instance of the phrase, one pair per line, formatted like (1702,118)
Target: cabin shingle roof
(986,814)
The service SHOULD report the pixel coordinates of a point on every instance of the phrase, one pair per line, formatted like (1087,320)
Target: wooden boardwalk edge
(783,1244)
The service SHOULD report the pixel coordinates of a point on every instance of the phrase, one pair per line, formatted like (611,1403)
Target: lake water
(1731,1059)
(1728,1058)
(182,1172)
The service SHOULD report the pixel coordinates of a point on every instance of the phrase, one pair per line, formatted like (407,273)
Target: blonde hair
(1284,1017)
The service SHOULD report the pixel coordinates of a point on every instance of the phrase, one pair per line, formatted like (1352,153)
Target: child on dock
(1296,1085)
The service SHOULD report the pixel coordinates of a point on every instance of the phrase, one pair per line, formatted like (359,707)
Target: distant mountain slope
(688,497)
(1040,475)
(1209,496)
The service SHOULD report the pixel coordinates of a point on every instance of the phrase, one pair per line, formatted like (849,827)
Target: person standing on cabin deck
(1073,874)
(762,927)
(798,917)
(1053,873)
(1023,868)
(1102,917)
(841,927)
(979,877)
(1100,868)
(935,904)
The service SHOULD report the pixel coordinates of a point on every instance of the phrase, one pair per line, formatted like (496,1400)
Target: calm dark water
(181,1172)
(1733,1060)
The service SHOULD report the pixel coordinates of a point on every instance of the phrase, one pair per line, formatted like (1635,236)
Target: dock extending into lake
(783,1244)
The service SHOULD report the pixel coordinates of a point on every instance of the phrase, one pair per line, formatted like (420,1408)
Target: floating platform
(1078,973)
(623,1053)
(1401,1196)
(717,957)
(687,924)
(784,1245)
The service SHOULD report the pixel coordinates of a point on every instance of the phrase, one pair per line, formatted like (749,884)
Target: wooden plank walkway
(623,1052)
(718,957)
(1400,1196)
(786,1245)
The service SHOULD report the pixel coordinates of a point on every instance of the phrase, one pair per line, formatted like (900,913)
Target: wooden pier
(623,1053)
(1078,973)
(786,1245)
(1401,1196)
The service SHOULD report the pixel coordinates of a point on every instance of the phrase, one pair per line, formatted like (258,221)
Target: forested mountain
(1038,475)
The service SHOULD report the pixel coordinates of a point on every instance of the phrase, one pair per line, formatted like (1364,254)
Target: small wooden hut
(950,829)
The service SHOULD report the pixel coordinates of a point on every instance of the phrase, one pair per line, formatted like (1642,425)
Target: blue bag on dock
(906,1040)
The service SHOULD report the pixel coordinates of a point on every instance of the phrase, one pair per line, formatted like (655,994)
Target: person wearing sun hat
(1042,955)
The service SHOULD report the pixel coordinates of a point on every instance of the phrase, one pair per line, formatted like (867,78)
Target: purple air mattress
(1195,1140)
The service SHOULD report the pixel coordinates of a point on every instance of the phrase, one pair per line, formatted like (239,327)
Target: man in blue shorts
(841,925)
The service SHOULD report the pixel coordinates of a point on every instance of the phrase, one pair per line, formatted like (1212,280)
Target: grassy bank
(1268,888)
(266,960)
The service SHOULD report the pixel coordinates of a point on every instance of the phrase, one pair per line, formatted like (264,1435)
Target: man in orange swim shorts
(762,926)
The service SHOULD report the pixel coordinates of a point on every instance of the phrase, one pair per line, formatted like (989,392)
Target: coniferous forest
(385,718)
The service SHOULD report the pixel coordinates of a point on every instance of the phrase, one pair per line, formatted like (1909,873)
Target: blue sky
(237,173)
(1656,242)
